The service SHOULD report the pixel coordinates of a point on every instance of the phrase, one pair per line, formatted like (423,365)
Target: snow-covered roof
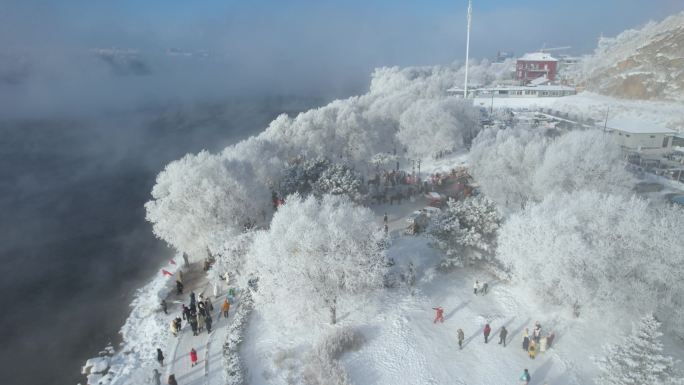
(538,56)
(548,87)
(638,126)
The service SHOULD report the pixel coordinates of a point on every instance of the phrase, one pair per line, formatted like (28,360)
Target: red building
(536,65)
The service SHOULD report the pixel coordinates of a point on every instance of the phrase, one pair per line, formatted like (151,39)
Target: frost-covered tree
(384,160)
(583,160)
(319,250)
(602,251)
(339,179)
(320,176)
(300,175)
(231,258)
(429,126)
(504,162)
(466,231)
(519,165)
(201,200)
(638,359)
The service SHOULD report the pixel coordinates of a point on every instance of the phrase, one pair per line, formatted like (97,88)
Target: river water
(74,244)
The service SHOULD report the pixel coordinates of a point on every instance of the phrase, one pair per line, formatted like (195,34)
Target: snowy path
(209,370)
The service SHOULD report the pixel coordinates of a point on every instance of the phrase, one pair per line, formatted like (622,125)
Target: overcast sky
(289,46)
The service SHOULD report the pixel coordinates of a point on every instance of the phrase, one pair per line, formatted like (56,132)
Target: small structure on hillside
(635,136)
(536,65)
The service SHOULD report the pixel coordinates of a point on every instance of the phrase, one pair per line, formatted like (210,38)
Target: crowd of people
(198,314)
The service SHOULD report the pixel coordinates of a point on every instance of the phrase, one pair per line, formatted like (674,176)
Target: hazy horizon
(266,47)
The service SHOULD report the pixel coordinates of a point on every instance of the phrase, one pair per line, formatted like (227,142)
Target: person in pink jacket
(439,315)
(193,357)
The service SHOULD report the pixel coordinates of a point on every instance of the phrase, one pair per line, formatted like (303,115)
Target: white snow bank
(145,330)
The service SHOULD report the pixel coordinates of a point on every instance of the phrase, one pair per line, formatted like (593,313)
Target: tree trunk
(333,311)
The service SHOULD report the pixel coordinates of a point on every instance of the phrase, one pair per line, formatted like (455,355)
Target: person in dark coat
(487,330)
(172,380)
(208,305)
(185,312)
(461,337)
(549,339)
(164,307)
(160,357)
(526,340)
(193,325)
(502,336)
(207,323)
(156,377)
(179,287)
(193,300)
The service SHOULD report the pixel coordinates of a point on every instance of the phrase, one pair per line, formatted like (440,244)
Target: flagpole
(470,15)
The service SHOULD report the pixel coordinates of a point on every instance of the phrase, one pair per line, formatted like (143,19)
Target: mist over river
(74,243)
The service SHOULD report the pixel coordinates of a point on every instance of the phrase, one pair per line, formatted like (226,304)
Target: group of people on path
(480,288)
(197,315)
(537,343)
(531,345)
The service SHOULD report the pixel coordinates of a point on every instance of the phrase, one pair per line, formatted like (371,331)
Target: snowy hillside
(639,64)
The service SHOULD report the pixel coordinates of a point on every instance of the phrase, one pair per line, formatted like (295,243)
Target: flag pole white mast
(470,15)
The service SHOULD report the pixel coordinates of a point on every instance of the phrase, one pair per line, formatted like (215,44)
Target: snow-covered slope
(639,64)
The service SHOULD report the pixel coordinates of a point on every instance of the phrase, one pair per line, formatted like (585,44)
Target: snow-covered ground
(403,346)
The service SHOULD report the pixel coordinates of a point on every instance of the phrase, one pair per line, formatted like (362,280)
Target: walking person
(160,357)
(439,314)
(526,340)
(179,287)
(193,356)
(172,380)
(174,328)
(164,307)
(461,337)
(485,286)
(525,377)
(532,350)
(193,325)
(208,321)
(486,331)
(536,333)
(384,219)
(475,287)
(549,339)
(200,321)
(502,336)
(224,308)
(193,300)
(156,377)
(208,305)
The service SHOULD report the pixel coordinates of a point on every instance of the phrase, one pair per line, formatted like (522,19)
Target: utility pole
(491,108)
(470,16)
(419,169)
(605,123)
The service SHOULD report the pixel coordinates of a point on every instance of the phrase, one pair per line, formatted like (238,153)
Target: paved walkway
(209,368)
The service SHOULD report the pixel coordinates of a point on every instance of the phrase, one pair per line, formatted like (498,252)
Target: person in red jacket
(487,330)
(193,356)
(439,315)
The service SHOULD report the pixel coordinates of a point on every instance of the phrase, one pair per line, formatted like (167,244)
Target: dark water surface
(74,244)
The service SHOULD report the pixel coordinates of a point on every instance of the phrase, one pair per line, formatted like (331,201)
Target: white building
(531,91)
(642,137)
